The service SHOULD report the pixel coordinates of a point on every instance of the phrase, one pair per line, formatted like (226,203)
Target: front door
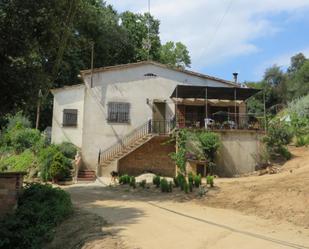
(158,117)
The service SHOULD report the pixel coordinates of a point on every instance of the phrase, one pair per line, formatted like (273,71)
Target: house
(121,116)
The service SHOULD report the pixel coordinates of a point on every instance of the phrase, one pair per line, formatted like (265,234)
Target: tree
(297,61)
(301,81)
(136,27)
(176,55)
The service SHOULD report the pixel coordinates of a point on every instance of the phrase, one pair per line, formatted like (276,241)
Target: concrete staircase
(131,142)
(86,175)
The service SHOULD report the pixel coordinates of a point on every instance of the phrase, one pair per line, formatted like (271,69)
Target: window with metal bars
(69,118)
(118,112)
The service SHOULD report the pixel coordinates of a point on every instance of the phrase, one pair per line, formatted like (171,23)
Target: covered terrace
(214,107)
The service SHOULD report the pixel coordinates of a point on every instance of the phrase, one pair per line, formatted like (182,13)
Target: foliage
(186,187)
(60,167)
(180,159)
(175,55)
(132,182)
(40,209)
(68,149)
(279,134)
(210,143)
(299,107)
(19,120)
(190,177)
(170,187)
(20,139)
(181,180)
(197,180)
(124,179)
(20,162)
(45,158)
(176,183)
(164,185)
(46,43)
(142,183)
(191,186)
(210,180)
(156,181)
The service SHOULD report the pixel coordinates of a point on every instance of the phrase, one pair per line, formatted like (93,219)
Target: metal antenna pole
(92,55)
(148,35)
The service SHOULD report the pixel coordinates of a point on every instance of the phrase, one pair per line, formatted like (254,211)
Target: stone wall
(152,156)
(10,185)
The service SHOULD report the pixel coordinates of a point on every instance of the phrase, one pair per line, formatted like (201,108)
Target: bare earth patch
(282,196)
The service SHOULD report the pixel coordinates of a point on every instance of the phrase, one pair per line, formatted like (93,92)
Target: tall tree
(175,54)
(297,61)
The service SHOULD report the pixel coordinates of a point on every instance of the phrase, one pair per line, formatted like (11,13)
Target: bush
(21,162)
(197,180)
(210,142)
(170,187)
(132,182)
(156,181)
(124,179)
(21,139)
(40,209)
(18,120)
(210,180)
(191,186)
(142,183)
(186,187)
(284,152)
(60,167)
(190,177)
(45,159)
(279,134)
(68,149)
(164,185)
(181,180)
(175,179)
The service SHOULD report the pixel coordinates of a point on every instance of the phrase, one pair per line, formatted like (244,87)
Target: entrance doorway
(158,117)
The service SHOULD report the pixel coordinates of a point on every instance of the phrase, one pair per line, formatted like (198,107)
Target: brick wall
(10,185)
(153,157)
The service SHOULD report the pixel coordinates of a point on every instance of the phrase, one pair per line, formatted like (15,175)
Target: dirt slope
(282,196)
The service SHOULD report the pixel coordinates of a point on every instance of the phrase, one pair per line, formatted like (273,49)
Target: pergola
(213,93)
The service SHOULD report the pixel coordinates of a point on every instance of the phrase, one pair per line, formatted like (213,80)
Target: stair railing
(149,127)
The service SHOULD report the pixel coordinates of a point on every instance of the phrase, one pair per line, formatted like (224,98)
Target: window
(118,112)
(70,117)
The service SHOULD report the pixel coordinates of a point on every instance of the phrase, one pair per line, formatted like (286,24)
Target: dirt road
(147,222)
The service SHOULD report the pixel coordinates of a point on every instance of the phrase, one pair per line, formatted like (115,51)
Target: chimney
(235,77)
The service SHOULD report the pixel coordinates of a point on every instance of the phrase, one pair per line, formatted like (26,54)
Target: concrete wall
(239,152)
(153,157)
(127,85)
(68,98)
(10,185)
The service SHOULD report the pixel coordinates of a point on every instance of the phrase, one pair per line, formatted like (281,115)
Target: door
(158,117)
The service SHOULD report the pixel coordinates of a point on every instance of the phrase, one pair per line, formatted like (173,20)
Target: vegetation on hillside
(44,44)
(40,209)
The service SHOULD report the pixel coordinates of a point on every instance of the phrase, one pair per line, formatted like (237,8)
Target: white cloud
(194,23)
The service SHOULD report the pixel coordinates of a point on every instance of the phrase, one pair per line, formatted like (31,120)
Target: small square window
(69,117)
(118,112)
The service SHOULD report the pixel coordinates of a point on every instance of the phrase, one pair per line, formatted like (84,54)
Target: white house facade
(115,101)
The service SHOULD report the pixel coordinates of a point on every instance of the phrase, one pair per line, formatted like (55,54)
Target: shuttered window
(118,112)
(69,117)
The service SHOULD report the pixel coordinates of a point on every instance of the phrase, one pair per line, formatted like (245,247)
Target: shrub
(132,182)
(156,181)
(181,180)
(21,162)
(191,186)
(18,120)
(60,167)
(40,209)
(170,187)
(21,139)
(197,180)
(124,179)
(210,142)
(142,183)
(68,149)
(164,185)
(186,187)
(284,152)
(45,159)
(190,177)
(210,180)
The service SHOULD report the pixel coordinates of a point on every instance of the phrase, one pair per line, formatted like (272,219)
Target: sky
(226,36)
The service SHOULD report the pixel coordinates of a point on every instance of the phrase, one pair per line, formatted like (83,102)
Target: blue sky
(252,36)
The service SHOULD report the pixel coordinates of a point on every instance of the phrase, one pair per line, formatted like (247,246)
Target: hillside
(282,196)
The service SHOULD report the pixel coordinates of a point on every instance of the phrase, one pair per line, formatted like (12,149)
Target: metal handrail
(149,127)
